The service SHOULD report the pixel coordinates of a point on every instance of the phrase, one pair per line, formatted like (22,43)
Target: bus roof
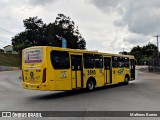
(81,51)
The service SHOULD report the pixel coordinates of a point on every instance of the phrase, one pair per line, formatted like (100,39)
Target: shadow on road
(71,93)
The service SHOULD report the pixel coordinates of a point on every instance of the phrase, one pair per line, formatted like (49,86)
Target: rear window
(33,55)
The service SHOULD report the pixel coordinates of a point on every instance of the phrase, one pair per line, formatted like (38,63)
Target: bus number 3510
(91,72)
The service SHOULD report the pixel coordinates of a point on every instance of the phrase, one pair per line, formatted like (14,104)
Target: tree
(150,50)
(32,36)
(144,53)
(34,28)
(20,42)
(124,53)
(39,34)
(66,27)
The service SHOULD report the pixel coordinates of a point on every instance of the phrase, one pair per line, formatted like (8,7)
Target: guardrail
(154,65)
(8,68)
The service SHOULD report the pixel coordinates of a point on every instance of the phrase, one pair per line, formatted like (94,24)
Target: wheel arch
(128,76)
(93,79)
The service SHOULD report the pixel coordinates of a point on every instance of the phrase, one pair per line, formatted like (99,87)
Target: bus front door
(132,68)
(76,71)
(107,70)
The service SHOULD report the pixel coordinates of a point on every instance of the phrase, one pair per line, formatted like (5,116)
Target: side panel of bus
(118,75)
(58,69)
(99,76)
(93,69)
(120,68)
(117,71)
(88,68)
(99,68)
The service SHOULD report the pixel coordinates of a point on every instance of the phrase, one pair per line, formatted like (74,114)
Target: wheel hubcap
(90,85)
(126,79)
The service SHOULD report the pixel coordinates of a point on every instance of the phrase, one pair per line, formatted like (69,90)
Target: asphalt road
(143,94)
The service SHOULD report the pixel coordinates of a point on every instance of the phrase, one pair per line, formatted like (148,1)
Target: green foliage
(143,54)
(123,53)
(39,34)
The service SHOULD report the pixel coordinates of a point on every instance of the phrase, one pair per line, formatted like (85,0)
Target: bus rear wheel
(90,85)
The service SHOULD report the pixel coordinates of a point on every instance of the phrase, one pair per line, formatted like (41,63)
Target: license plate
(31,78)
(32,86)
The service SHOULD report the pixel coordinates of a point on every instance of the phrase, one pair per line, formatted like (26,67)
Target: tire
(90,85)
(126,80)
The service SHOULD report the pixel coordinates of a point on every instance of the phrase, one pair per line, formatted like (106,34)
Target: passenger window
(98,61)
(107,64)
(115,62)
(60,60)
(121,62)
(88,60)
(126,62)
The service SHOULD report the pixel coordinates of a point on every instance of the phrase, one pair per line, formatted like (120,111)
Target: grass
(7,59)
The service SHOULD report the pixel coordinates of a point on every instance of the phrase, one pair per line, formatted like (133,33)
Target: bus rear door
(107,70)
(77,71)
(132,68)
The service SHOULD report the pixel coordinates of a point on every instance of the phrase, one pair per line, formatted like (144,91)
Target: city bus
(59,69)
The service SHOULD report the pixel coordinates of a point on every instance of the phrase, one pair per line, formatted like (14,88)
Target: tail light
(44,76)
(22,77)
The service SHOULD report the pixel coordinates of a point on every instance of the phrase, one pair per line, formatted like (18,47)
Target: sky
(106,25)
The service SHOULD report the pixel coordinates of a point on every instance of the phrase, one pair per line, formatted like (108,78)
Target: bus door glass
(107,70)
(132,68)
(77,74)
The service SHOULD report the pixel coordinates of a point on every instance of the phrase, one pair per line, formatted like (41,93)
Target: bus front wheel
(90,85)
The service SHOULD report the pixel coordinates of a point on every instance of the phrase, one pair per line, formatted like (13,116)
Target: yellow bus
(54,68)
